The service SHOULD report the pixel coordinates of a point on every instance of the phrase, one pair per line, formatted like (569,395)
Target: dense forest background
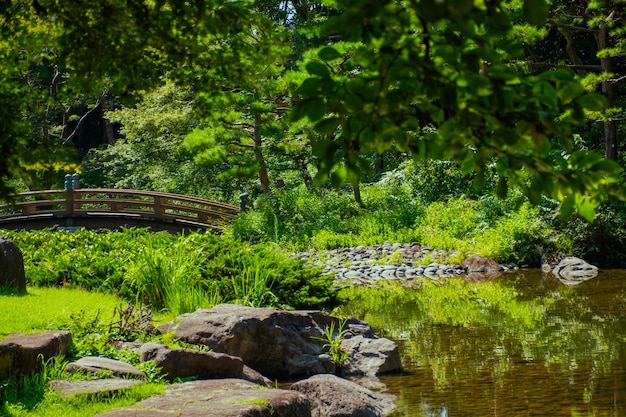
(482,127)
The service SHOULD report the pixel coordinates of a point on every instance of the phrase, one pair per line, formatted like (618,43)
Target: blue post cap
(68,182)
(75,181)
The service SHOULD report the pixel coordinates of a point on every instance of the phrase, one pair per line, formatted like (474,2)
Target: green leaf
(587,209)
(479,180)
(319,69)
(316,109)
(460,7)
(570,91)
(567,207)
(327,125)
(339,176)
(309,87)
(328,53)
(592,102)
(535,12)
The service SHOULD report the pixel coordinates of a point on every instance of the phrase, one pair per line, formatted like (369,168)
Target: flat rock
(218,398)
(331,396)
(69,389)
(92,364)
(183,363)
(28,350)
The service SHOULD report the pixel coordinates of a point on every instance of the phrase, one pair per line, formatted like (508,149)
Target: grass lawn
(52,308)
(49,308)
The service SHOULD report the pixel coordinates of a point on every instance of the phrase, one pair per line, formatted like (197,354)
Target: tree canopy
(444,80)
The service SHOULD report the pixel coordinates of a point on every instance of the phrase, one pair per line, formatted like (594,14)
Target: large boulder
(573,271)
(274,342)
(331,396)
(12,274)
(23,354)
(183,363)
(218,398)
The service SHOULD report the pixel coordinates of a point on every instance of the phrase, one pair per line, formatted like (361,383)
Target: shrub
(169,272)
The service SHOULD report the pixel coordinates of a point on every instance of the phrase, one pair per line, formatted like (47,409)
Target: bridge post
(69,201)
(159,210)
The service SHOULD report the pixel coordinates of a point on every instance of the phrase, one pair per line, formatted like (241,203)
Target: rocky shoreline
(237,349)
(401,262)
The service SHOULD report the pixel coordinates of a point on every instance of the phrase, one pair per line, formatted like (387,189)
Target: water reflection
(520,345)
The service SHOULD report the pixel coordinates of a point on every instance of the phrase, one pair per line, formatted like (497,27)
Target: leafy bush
(601,241)
(169,272)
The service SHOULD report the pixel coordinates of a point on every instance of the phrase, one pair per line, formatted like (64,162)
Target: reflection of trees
(510,346)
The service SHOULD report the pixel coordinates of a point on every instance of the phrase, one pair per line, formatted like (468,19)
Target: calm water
(520,345)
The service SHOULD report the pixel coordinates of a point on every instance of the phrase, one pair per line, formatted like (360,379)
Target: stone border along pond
(366,265)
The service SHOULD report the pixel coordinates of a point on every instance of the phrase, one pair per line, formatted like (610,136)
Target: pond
(520,345)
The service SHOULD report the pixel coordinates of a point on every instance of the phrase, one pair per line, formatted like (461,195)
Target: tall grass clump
(169,276)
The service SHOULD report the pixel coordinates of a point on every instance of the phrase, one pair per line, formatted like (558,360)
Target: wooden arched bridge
(113,208)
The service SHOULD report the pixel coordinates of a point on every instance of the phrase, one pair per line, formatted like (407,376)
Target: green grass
(49,308)
(58,308)
(52,405)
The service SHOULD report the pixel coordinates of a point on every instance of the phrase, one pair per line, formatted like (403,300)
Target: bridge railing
(101,201)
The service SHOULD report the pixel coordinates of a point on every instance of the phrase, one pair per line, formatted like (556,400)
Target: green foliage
(449,66)
(486,227)
(325,219)
(404,206)
(151,155)
(167,272)
(600,241)
(334,333)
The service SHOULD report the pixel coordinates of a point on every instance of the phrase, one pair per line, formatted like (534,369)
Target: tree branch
(82,120)
(572,66)
(570,27)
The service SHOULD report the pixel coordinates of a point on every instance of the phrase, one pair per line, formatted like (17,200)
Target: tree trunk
(608,89)
(258,154)
(357,193)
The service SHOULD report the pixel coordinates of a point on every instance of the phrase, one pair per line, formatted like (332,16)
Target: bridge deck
(112,208)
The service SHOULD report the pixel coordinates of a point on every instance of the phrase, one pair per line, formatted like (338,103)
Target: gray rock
(276,343)
(573,271)
(28,351)
(9,354)
(68,389)
(12,274)
(183,363)
(218,398)
(279,344)
(331,396)
(480,264)
(92,364)
(370,356)
(255,377)
(353,275)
